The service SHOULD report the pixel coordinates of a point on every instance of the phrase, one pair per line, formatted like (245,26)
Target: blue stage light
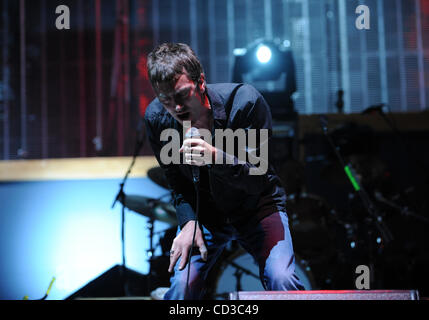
(264,54)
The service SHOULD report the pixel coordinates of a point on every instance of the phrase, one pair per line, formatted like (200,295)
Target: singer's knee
(282,279)
(180,285)
(182,281)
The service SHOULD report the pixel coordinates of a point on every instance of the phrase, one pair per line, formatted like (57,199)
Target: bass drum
(237,270)
(310,217)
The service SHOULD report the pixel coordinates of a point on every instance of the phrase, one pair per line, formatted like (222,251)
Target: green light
(351,178)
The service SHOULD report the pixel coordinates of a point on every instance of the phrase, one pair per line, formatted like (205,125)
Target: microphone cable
(193,132)
(197,190)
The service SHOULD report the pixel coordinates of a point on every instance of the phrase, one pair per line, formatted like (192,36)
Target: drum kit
(370,222)
(328,244)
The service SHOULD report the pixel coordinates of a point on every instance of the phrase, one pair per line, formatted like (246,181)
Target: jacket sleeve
(249,112)
(182,190)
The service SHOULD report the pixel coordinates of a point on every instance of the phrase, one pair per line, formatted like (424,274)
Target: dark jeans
(270,244)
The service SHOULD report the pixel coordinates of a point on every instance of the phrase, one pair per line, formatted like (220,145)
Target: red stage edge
(327,295)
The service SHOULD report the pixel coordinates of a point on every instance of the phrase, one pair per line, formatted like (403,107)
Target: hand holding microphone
(197,151)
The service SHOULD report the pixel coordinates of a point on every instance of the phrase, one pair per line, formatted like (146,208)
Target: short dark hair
(168,60)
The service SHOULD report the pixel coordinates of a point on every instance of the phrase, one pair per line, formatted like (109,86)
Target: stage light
(265,61)
(268,65)
(264,54)
(239,51)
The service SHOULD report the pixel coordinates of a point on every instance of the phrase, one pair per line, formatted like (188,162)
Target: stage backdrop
(79,92)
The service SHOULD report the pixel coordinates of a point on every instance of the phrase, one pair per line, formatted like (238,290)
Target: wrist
(216,153)
(186,223)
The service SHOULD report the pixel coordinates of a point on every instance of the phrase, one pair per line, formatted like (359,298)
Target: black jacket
(233,196)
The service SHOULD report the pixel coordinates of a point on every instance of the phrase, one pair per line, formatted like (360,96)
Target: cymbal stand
(405,211)
(151,250)
(239,270)
(121,196)
(238,273)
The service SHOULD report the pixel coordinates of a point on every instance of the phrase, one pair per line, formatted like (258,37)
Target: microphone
(194,133)
(374,108)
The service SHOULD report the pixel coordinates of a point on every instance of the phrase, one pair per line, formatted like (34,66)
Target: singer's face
(182,99)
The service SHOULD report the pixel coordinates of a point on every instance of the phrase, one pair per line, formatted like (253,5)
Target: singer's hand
(198,152)
(183,242)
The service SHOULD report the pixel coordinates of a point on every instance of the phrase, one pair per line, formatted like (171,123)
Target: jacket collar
(219,113)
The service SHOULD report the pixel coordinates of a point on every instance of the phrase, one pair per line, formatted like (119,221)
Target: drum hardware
(156,174)
(155,210)
(151,208)
(363,237)
(309,220)
(370,207)
(239,270)
(151,250)
(366,247)
(323,239)
(403,210)
(238,273)
(221,277)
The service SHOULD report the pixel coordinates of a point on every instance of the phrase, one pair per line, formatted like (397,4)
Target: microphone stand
(121,197)
(367,202)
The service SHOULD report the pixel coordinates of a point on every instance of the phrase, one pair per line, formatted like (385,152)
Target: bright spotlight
(269,66)
(263,54)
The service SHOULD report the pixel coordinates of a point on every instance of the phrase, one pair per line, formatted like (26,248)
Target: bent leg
(270,243)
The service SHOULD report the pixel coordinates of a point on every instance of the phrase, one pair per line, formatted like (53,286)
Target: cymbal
(156,174)
(151,208)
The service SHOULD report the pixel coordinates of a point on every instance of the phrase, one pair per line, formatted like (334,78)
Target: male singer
(233,203)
